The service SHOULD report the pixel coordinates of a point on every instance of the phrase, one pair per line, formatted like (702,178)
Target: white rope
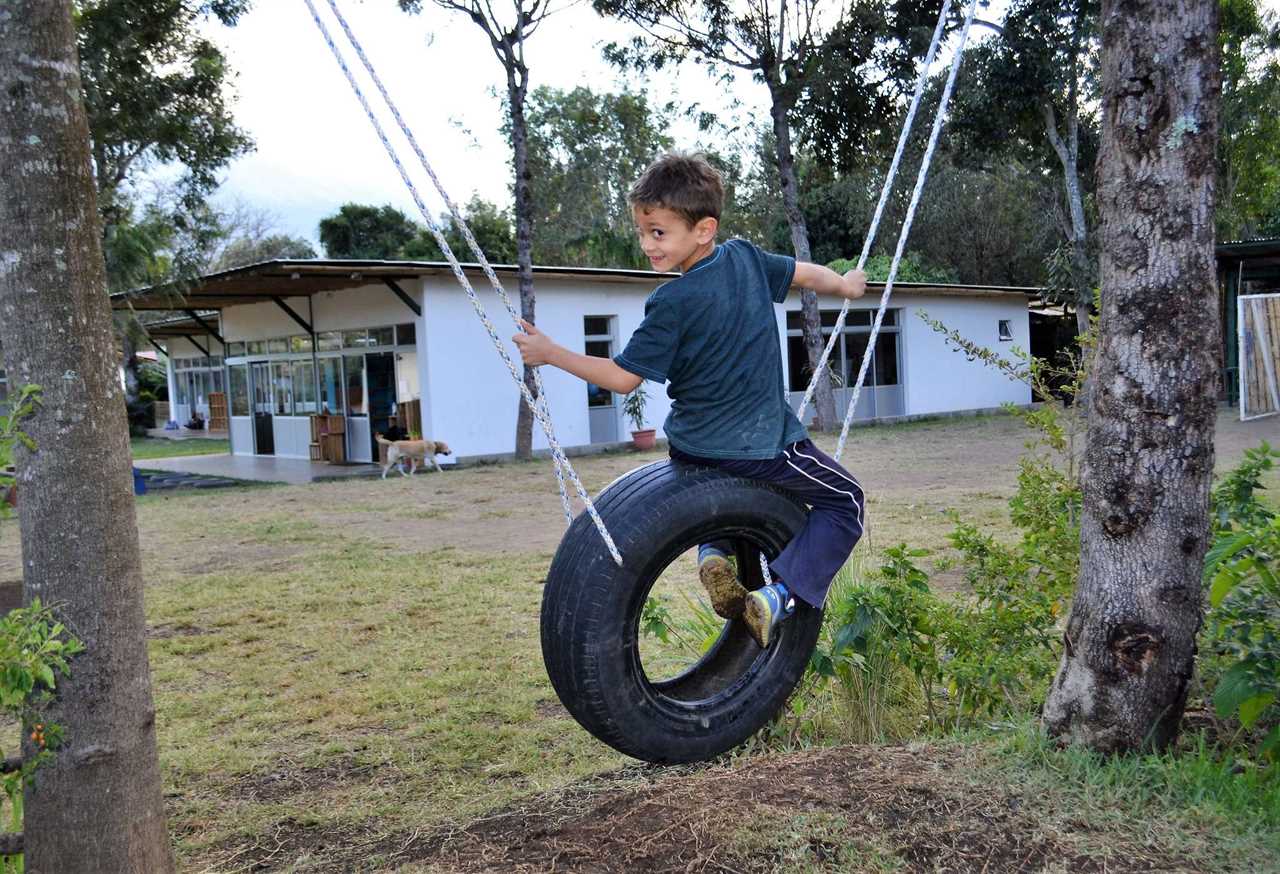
(884,197)
(541,411)
(906,226)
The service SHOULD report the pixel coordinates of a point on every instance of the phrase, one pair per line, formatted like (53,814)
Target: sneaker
(765,610)
(720,578)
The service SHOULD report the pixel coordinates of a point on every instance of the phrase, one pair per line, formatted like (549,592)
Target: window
(331,385)
(257,347)
(355,339)
(300,343)
(304,388)
(406,334)
(329,341)
(282,386)
(240,390)
(235,350)
(846,355)
(1006,329)
(598,336)
(382,337)
(278,345)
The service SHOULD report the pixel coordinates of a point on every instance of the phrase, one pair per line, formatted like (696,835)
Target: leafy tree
(1249,148)
(156,91)
(1129,643)
(1027,97)
(98,806)
(245,250)
(784,49)
(507,35)
(366,232)
(585,149)
(489,225)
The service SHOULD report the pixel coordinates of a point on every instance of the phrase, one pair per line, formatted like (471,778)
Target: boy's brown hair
(685,184)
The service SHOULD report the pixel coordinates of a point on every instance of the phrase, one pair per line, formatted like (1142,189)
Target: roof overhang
(274,280)
(1251,260)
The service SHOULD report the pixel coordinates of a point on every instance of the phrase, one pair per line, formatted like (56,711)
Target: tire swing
(595,604)
(592,610)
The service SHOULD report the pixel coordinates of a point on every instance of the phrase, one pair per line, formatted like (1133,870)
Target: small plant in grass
(1242,570)
(633,407)
(21,405)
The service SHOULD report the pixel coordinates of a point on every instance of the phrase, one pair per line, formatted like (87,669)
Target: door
(264,441)
(380,378)
(359,440)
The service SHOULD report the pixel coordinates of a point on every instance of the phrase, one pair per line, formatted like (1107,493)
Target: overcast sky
(315,148)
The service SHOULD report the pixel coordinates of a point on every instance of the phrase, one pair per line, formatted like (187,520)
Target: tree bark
(98,805)
(516,90)
(1130,638)
(1068,152)
(823,398)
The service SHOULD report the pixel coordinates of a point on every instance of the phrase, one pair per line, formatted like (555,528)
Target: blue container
(139,483)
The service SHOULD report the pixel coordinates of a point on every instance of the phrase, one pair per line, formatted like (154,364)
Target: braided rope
(889,179)
(906,226)
(541,411)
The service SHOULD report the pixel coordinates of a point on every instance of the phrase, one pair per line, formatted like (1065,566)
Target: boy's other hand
(855,284)
(535,347)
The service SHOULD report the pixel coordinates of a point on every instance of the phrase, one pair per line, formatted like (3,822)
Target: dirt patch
(174,629)
(845,809)
(289,779)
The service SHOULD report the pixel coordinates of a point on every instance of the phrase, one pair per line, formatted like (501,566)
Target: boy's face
(669,242)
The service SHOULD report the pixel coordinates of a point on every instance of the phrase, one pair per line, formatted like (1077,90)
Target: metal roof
(271,280)
(1253,260)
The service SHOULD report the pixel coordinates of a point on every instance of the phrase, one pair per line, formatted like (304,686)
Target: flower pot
(644,439)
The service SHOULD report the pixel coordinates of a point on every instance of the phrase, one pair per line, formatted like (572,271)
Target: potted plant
(633,408)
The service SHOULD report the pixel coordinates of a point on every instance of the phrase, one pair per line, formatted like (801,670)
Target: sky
(316,149)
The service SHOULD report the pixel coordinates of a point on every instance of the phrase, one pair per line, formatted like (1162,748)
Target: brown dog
(415,451)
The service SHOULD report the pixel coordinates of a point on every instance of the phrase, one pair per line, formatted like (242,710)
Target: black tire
(591,612)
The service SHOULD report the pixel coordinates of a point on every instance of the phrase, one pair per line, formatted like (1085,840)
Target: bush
(1242,571)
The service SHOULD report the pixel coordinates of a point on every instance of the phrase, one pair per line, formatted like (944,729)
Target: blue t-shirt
(713,335)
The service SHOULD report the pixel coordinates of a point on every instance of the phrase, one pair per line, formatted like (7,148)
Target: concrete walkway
(257,468)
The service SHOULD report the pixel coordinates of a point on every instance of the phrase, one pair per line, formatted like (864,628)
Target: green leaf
(1235,687)
(1252,708)
(1223,582)
(45,674)
(1270,747)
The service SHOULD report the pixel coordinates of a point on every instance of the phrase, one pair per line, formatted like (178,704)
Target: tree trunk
(823,399)
(1130,639)
(1068,152)
(98,805)
(524,240)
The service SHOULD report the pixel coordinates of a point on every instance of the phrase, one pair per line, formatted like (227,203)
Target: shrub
(1242,571)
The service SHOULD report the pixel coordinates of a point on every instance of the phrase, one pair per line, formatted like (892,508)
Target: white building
(361,338)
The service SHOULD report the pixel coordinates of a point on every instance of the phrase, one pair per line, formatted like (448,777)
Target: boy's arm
(537,348)
(824,280)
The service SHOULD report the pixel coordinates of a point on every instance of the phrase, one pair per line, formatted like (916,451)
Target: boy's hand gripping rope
(538,405)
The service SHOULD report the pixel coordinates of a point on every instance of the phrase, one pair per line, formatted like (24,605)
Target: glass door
(263,433)
(380,374)
(359,440)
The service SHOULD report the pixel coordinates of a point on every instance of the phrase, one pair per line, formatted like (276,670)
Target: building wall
(473,400)
(938,378)
(470,400)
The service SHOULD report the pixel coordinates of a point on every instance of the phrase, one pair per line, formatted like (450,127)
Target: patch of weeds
(435,513)
(778,840)
(1196,801)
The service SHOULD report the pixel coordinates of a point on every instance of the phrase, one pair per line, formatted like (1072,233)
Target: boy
(713,335)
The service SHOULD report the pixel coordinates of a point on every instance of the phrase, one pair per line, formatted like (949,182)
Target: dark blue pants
(836,516)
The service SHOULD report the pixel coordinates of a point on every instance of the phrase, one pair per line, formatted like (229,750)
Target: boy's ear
(705,229)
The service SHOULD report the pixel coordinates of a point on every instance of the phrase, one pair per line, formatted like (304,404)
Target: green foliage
(1248,190)
(1242,570)
(357,231)
(585,150)
(20,404)
(246,250)
(910,269)
(490,226)
(633,407)
(34,649)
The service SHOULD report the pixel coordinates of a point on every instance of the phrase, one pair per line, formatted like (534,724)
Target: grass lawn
(158,447)
(348,676)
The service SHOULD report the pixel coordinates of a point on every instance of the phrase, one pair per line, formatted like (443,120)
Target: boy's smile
(669,242)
